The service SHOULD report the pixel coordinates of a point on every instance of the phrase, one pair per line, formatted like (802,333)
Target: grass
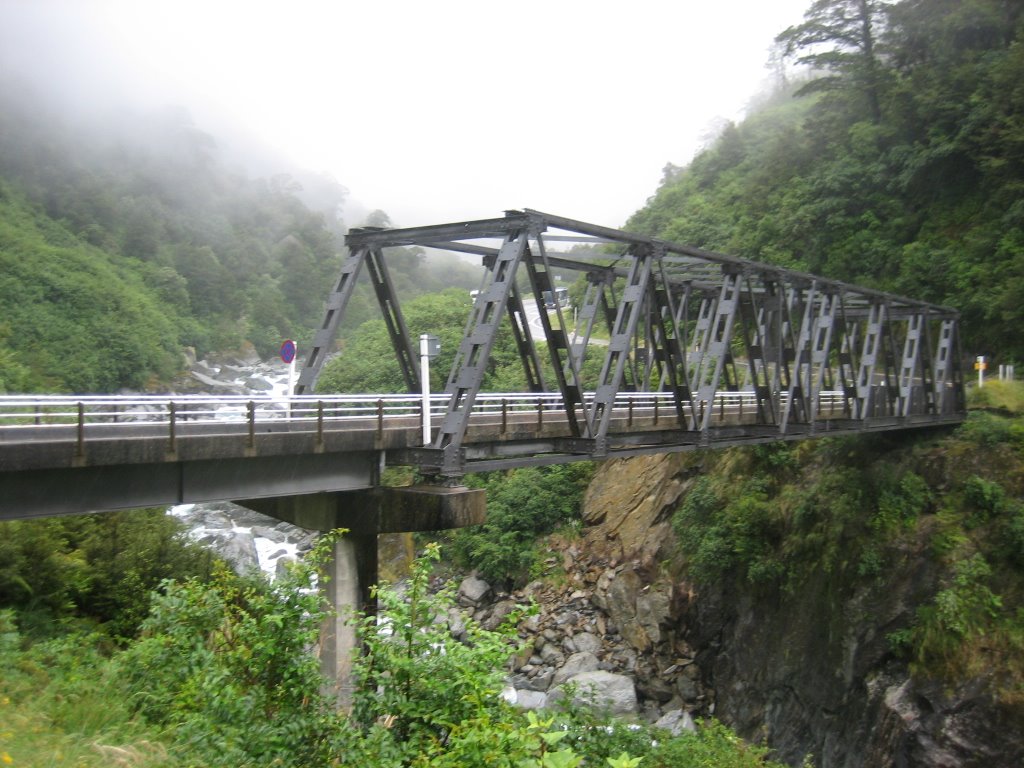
(59,708)
(1006,396)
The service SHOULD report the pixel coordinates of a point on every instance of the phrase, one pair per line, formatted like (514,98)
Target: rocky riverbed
(603,629)
(245,538)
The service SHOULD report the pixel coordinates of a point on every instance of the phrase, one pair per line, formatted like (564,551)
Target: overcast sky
(434,111)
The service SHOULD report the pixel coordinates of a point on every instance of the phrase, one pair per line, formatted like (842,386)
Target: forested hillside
(126,238)
(897,163)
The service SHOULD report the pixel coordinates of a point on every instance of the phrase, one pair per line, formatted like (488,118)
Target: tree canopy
(921,196)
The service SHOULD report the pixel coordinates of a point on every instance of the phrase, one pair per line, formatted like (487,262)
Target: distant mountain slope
(128,237)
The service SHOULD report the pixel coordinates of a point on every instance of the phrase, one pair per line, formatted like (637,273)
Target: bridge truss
(666,318)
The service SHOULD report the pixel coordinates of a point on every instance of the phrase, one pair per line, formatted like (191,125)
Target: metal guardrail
(19,412)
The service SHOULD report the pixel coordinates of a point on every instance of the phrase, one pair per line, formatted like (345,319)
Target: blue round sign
(288,351)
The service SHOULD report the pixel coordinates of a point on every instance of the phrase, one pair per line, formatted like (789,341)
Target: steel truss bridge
(695,349)
(810,355)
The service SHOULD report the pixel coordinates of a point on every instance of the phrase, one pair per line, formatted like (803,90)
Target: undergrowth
(855,510)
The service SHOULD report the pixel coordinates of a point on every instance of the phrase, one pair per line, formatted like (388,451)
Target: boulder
(472,591)
(604,691)
(527,699)
(575,665)
(676,721)
(585,642)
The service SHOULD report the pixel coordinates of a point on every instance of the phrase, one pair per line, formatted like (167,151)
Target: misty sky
(433,111)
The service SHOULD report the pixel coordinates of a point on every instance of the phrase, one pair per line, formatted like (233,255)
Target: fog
(433,112)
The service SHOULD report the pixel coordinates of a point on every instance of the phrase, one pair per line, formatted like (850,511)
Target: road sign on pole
(288,351)
(288,356)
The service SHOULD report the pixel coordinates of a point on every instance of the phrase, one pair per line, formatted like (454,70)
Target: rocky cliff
(811,671)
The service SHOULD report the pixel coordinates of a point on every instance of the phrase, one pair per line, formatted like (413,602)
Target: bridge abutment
(352,570)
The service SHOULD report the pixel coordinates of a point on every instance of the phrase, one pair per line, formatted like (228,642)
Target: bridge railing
(20,412)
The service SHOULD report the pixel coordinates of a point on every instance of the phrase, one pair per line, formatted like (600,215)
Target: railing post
(320,423)
(721,408)
(504,415)
(251,408)
(380,417)
(540,414)
(629,421)
(172,446)
(656,401)
(81,431)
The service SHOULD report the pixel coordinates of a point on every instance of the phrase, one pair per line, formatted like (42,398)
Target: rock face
(809,673)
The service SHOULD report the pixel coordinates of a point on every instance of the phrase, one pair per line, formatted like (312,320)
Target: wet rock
(472,591)
(676,722)
(239,549)
(604,691)
(529,699)
(498,614)
(585,642)
(575,665)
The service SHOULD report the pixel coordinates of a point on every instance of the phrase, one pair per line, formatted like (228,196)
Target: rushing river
(245,538)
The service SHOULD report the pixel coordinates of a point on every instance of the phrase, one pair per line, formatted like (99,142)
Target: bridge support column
(353,568)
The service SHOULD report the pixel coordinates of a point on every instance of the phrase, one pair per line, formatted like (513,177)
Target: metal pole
(425,384)
(291,384)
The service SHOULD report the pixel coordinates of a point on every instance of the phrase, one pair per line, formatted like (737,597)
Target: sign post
(288,356)
(980,365)
(429,347)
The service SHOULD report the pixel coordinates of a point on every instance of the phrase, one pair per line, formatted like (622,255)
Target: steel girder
(678,320)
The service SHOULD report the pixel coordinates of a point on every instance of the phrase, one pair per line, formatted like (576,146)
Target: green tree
(851,27)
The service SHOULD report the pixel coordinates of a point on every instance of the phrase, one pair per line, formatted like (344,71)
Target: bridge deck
(64,455)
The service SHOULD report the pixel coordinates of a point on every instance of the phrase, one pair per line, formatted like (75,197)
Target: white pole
(980,365)
(291,384)
(425,384)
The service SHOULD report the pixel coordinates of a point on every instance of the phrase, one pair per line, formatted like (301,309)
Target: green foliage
(415,675)
(522,504)
(226,665)
(98,567)
(62,705)
(712,745)
(898,165)
(74,317)
(721,529)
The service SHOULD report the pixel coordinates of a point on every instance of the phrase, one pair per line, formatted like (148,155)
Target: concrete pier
(353,567)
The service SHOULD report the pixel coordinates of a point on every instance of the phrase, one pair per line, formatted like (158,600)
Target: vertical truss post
(755,322)
(846,366)
(890,370)
(470,363)
(874,340)
(615,360)
(595,302)
(524,342)
(719,338)
(334,309)
(917,325)
(539,271)
(821,351)
(926,368)
(948,379)
(796,341)
(701,339)
(666,351)
(392,311)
